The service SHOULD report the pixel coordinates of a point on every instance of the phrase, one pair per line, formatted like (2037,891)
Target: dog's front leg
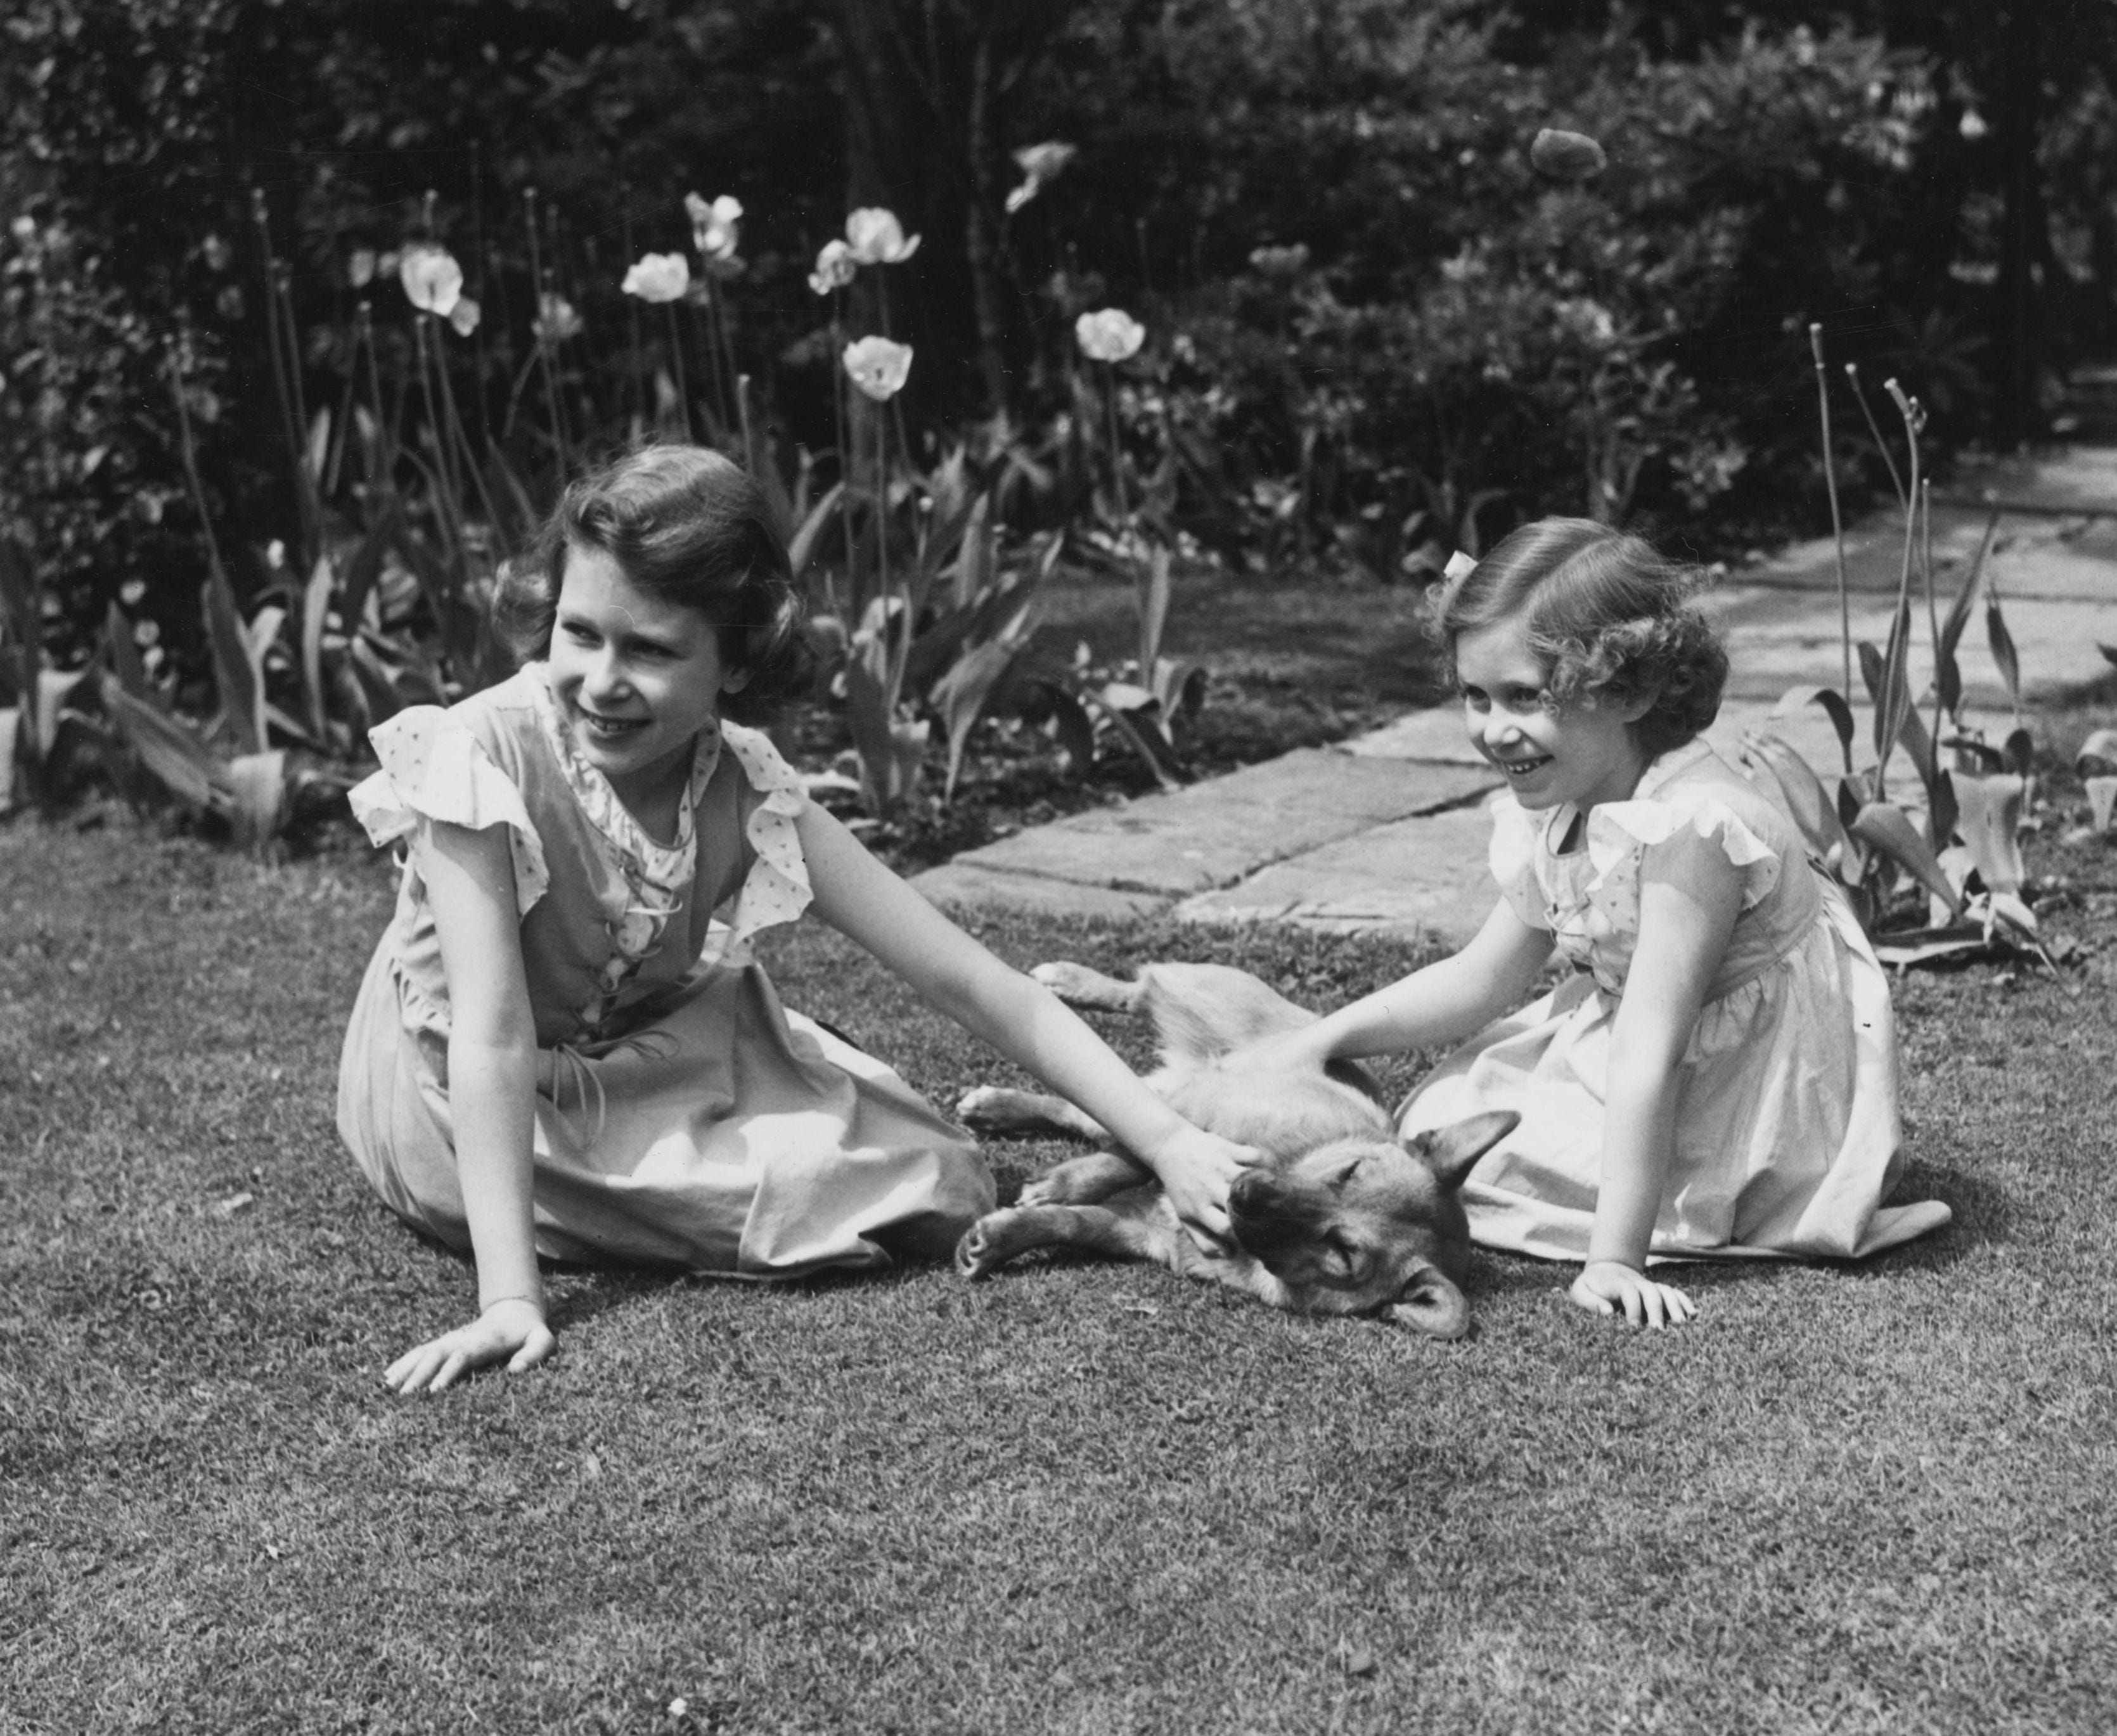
(1000,1236)
(1000,1109)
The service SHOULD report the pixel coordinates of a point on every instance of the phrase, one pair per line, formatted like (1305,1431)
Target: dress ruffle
(434,769)
(776,888)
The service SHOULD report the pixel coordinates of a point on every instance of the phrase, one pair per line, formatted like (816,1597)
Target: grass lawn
(1078,1498)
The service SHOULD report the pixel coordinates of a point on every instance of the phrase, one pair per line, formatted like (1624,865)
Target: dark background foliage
(1431,329)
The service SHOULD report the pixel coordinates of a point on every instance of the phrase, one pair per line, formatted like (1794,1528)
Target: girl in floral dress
(562,1046)
(1718,1075)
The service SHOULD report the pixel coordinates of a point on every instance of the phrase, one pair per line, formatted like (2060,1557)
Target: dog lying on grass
(1343,1218)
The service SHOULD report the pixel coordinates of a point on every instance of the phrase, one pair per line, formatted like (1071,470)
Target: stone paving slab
(1422,875)
(960,885)
(1213,835)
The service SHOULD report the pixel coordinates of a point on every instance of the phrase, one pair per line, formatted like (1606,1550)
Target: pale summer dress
(1787,1133)
(692,1122)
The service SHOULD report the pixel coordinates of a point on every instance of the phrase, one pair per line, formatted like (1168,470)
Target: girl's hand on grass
(1604,1286)
(1195,1170)
(513,1329)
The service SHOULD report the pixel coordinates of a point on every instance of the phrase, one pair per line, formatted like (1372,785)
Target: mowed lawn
(1077,1497)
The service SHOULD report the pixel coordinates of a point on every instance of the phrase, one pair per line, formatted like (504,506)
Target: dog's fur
(1341,1219)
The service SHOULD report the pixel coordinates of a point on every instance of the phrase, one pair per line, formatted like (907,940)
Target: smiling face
(1583,753)
(637,678)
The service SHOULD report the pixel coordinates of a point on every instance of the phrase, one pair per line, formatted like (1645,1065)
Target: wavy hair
(1608,615)
(690,528)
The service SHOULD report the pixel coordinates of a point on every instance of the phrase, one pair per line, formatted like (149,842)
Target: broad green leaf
(1777,768)
(167,747)
(236,676)
(255,786)
(802,549)
(10,730)
(1833,702)
(1151,581)
(1925,945)
(316,610)
(891,747)
(1990,824)
(125,655)
(2098,752)
(961,694)
(318,447)
(2101,795)
(1948,673)
(365,568)
(54,687)
(2003,649)
(1889,830)
(977,563)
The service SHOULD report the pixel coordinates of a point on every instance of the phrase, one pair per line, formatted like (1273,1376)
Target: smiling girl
(1716,1074)
(562,1047)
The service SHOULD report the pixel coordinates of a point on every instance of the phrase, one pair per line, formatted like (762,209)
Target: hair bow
(1459,564)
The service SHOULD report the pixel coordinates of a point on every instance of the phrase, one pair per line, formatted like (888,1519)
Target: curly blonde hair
(1609,617)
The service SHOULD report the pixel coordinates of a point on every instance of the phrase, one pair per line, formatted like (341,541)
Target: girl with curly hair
(1716,1075)
(562,1047)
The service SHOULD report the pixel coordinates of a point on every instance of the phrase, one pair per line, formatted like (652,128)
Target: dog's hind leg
(999,1109)
(1000,1236)
(1083,1181)
(1079,987)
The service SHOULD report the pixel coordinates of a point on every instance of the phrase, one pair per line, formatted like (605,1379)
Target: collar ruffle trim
(775,890)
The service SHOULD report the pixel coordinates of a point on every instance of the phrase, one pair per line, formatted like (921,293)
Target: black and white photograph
(1058,867)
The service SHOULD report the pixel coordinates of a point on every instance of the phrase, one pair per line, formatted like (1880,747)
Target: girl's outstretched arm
(492,1091)
(1449,1000)
(1690,895)
(1022,1018)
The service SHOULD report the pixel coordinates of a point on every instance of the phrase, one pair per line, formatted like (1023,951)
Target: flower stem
(1837,524)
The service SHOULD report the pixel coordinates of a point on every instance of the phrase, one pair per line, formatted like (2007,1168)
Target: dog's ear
(1453,1150)
(1431,1305)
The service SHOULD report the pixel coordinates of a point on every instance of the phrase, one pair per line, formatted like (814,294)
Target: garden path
(1386,832)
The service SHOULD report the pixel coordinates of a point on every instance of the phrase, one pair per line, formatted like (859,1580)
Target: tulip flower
(713,226)
(555,320)
(1279,261)
(464,315)
(875,238)
(431,278)
(1041,164)
(879,367)
(1111,335)
(1566,156)
(658,277)
(360,268)
(835,267)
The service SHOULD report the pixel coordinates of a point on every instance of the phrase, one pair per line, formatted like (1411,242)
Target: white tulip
(659,277)
(879,367)
(875,238)
(1111,335)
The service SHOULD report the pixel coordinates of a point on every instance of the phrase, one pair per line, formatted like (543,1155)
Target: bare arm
(1447,1001)
(956,976)
(1690,896)
(492,1084)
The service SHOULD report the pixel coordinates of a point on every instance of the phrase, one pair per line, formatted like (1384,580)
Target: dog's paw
(1076,984)
(1047,1190)
(982,1106)
(978,1252)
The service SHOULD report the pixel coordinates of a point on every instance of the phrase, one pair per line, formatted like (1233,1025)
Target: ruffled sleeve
(1513,860)
(1620,834)
(435,768)
(776,889)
